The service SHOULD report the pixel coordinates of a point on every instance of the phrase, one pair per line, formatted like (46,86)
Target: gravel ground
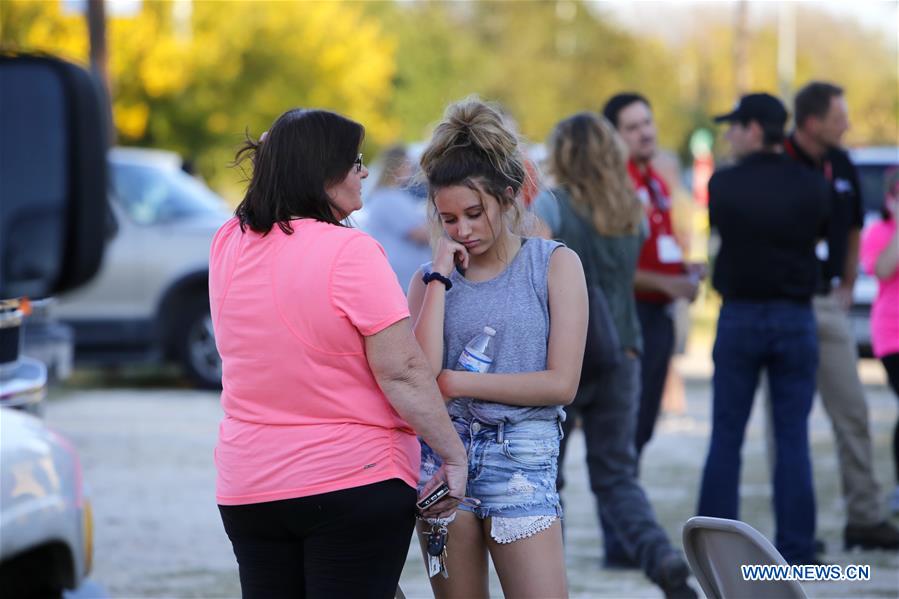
(147,455)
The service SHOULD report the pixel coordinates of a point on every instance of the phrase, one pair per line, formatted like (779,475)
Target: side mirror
(53,176)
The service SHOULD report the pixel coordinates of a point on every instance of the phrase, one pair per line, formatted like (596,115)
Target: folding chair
(716,548)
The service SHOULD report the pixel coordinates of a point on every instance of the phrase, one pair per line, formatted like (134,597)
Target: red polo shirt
(660,252)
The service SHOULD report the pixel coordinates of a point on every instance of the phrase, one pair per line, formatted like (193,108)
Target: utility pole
(96,27)
(786,50)
(741,48)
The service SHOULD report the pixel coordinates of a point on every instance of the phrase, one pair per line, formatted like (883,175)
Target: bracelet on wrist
(436,276)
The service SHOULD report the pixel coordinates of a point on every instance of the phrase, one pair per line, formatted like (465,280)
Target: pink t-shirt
(885,311)
(304,414)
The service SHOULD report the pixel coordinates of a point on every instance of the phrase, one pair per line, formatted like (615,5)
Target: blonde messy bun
(473,130)
(475,145)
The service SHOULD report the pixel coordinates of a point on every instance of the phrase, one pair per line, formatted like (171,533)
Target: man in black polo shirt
(821,121)
(768,212)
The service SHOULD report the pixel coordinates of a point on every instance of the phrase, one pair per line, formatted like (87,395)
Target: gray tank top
(515,304)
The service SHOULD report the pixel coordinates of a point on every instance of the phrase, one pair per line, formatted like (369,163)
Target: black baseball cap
(763,108)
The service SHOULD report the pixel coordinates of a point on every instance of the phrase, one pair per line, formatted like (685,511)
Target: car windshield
(151,194)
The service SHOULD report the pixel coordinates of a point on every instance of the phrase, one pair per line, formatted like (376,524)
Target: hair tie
(263,136)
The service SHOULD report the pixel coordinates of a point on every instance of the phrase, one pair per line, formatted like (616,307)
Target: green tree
(828,48)
(235,66)
(194,83)
(541,60)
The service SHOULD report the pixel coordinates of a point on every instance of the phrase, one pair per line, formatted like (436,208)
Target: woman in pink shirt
(880,256)
(324,387)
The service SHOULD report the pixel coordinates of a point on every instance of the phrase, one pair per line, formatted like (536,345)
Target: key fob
(436,543)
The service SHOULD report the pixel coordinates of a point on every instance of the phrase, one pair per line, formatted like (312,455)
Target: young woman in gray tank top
(532,292)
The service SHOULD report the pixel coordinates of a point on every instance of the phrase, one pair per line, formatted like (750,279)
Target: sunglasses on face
(357,164)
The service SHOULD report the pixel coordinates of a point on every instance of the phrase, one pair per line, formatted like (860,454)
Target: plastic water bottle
(478,353)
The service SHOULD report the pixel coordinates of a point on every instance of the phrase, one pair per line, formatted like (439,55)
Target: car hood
(36,460)
(22,431)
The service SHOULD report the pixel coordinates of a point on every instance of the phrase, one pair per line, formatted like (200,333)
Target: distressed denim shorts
(511,470)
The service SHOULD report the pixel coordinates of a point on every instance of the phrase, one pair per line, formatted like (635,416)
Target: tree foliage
(195,81)
(196,86)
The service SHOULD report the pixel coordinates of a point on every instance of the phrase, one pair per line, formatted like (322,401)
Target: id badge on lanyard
(669,251)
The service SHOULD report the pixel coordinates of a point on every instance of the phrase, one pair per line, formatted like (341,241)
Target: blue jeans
(780,337)
(511,467)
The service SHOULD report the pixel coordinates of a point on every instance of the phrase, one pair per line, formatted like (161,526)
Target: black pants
(891,363)
(658,345)
(349,543)
(608,411)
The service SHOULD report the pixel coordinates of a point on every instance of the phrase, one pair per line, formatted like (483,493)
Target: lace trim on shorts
(506,530)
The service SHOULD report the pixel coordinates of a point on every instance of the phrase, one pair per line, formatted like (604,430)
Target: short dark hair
(772,133)
(303,153)
(814,100)
(619,102)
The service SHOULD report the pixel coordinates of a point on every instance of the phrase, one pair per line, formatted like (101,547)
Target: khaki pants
(843,399)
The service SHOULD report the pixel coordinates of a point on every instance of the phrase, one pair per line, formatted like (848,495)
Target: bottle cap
(490,331)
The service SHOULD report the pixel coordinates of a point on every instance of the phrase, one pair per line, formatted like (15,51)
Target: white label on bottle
(474,362)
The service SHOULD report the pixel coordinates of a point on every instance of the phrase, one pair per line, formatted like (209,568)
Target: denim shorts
(511,470)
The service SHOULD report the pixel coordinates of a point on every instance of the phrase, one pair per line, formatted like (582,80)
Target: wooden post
(741,48)
(96,27)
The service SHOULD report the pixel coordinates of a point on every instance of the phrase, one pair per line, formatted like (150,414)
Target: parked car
(149,302)
(46,528)
(872,164)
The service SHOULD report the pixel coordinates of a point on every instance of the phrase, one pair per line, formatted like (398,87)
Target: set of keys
(437,549)
(437,535)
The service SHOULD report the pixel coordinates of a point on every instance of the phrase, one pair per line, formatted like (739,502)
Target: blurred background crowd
(187,80)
